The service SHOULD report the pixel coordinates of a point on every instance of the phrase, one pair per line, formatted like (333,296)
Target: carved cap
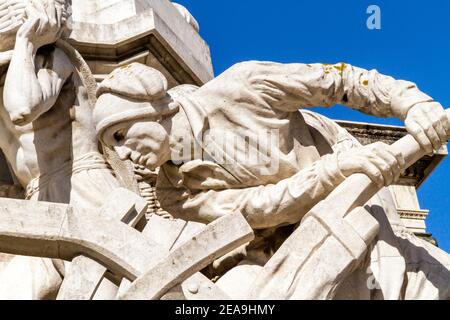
(129,93)
(136,81)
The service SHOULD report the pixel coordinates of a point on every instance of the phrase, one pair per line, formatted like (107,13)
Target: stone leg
(427,269)
(85,275)
(106,290)
(317,257)
(29,278)
(425,273)
(237,283)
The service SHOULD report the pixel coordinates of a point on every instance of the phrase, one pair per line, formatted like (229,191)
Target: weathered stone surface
(324,222)
(316,257)
(81,279)
(199,287)
(84,275)
(57,231)
(171,234)
(311,163)
(113,33)
(218,238)
(64,234)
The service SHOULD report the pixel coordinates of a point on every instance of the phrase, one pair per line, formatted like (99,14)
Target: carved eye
(119,135)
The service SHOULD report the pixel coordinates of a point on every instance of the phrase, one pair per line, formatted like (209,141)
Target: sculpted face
(145,143)
(65,9)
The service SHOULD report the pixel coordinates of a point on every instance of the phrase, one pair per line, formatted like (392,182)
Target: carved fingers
(44,23)
(378,161)
(11,14)
(428,123)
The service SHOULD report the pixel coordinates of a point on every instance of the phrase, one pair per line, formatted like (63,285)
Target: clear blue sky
(413,44)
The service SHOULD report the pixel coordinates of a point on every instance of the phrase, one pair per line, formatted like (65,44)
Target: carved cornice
(413,214)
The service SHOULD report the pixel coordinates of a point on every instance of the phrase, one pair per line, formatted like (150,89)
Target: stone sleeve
(263,206)
(289,87)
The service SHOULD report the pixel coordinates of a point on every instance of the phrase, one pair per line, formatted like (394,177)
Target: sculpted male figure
(46,130)
(300,158)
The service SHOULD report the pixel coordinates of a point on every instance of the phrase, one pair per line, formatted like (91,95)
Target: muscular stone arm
(272,86)
(288,87)
(264,206)
(34,80)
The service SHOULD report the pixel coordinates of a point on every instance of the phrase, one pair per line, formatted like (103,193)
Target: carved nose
(122,152)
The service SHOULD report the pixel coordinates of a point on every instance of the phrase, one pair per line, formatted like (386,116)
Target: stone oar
(330,240)
(51,230)
(84,275)
(194,255)
(170,234)
(58,231)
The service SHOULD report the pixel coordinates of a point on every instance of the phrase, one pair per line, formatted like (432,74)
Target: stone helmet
(129,93)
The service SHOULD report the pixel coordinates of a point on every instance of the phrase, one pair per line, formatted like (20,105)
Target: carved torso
(56,138)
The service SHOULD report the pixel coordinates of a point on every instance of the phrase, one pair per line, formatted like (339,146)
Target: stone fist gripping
(45,22)
(428,123)
(378,161)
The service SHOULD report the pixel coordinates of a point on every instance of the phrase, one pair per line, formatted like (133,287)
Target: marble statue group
(264,199)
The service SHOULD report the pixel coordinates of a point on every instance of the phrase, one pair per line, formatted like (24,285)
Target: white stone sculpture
(155,266)
(46,130)
(276,203)
(239,144)
(187,16)
(47,98)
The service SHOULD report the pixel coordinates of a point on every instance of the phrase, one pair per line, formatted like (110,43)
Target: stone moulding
(152,28)
(412,214)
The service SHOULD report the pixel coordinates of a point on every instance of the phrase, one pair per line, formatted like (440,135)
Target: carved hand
(44,24)
(378,161)
(428,123)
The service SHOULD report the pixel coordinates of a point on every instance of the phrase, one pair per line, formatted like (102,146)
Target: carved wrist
(404,96)
(24,43)
(329,172)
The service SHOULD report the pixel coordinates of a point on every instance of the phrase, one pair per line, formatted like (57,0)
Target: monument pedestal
(113,33)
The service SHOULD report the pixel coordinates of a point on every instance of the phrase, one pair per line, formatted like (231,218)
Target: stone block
(113,33)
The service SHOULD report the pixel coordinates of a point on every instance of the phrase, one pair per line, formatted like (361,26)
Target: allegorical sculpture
(48,137)
(261,200)
(239,144)
(46,130)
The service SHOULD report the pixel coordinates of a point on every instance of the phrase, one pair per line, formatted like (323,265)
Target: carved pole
(330,240)
(412,152)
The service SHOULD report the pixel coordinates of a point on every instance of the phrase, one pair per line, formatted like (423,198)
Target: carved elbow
(21,116)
